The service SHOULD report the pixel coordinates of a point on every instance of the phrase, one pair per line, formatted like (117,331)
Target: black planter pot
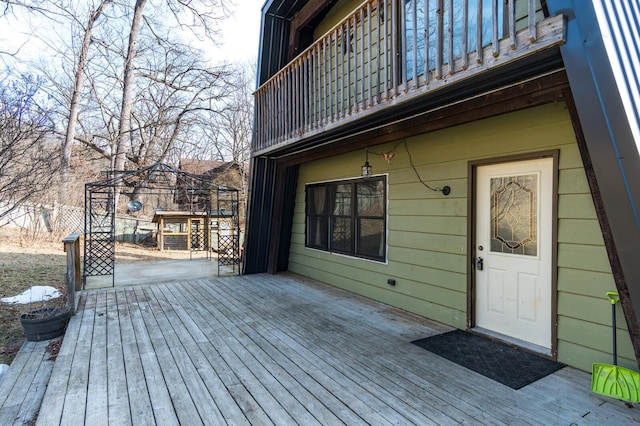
(44,324)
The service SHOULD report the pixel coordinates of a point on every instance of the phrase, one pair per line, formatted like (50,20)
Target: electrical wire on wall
(388,156)
(446,190)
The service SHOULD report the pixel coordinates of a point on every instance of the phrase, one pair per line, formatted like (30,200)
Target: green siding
(427,232)
(572,181)
(588,258)
(580,281)
(432,224)
(574,352)
(338,12)
(579,231)
(576,206)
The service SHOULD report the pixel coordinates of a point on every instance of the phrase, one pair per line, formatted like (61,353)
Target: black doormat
(503,363)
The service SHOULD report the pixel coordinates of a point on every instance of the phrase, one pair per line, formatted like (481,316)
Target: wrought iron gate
(197,235)
(99,230)
(228,213)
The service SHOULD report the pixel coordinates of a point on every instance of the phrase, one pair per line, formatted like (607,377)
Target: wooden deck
(268,349)
(23,386)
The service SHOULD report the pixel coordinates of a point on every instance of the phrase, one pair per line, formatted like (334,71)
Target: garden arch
(205,218)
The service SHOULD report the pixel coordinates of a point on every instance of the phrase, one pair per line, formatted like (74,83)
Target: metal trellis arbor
(159,184)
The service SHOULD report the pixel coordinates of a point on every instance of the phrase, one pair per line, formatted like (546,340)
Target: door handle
(479,264)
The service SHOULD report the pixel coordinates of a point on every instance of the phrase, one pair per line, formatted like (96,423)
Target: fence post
(72,277)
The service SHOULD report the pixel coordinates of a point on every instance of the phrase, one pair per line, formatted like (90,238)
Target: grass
(20,269)
(26,261)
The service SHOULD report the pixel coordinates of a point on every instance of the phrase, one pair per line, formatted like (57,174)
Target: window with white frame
(348,217)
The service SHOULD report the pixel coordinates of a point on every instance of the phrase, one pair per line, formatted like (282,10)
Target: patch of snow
(3,369)
(36,293)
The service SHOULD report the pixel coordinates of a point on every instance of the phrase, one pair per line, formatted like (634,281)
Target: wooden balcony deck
(275,349)
(388,54)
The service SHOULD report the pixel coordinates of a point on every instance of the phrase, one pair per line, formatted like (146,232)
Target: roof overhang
(279,17)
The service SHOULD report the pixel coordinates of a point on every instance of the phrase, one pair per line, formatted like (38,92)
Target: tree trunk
(127,94)
(75,101)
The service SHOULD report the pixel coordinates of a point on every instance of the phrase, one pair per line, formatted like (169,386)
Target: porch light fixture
(366,167)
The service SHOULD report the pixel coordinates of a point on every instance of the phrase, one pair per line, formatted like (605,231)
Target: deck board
(23,386)
(305,402)
(74,390)
(54,401)
(181,400)
(139,401)
(36,388)
(183,355)
(236,357)
(367,367)
(277,349)
(12,376)
(356,378)
(98,398)
(434,376)
(162,411)
(117,377)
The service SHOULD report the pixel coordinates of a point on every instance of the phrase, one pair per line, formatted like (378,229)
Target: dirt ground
(27,260)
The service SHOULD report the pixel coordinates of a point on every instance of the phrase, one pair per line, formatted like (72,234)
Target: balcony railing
(391,51)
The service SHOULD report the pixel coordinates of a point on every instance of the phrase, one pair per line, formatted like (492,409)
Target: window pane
(347,217)
(514,215)
(371,238)
(317,231)
(371,198)
(341,234)
(342,200)
(316,200)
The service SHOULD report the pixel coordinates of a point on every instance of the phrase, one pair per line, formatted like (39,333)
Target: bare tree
(228,136)
(201,18)
(127,87)
(181,95)
(27,158)
(74,102)
(65,89)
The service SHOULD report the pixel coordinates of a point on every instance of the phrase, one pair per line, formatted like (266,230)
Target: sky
(240,33)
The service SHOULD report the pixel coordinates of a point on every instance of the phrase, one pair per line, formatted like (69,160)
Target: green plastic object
(613,297)
(616,382)
(611,380)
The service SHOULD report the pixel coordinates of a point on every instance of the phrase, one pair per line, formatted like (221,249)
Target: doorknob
(479,264)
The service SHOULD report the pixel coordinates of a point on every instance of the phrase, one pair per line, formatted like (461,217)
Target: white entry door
(514,213)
